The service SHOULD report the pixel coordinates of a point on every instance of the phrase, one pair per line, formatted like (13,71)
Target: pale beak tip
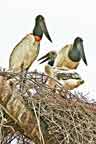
(82,82)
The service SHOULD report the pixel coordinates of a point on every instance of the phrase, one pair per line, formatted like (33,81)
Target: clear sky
(65,21)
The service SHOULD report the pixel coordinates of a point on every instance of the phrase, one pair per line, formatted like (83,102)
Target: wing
(62,56)
(22,53)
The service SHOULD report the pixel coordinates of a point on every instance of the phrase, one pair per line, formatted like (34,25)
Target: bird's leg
(25,75)
(22,77)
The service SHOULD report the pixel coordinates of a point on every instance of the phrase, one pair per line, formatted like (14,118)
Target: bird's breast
(63,59)
(25,52)
(49,70)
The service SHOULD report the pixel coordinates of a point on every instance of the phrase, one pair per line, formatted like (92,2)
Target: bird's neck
(51,62)
(74,53)
(37,32)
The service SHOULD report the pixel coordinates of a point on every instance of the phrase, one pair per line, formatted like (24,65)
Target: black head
(78,45)
(40,27)
(39,18)
(50,57)
(78,40)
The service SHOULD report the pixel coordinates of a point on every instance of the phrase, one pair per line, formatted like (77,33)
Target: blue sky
(65,20)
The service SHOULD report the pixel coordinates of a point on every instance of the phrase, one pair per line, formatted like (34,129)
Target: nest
(59,117)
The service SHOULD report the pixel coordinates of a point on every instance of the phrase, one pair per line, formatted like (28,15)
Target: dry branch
(44,115)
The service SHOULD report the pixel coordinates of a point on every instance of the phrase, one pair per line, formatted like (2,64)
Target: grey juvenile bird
(69,79)
(69,56)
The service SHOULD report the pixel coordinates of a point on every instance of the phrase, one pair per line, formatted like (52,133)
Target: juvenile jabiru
(69,79)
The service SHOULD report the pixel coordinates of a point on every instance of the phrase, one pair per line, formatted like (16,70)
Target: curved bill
(83,53)
(44,29)
(44,58)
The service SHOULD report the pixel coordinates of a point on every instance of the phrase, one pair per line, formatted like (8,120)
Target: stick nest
(61,117)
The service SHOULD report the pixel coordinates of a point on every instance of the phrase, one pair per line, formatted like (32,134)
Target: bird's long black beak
(44,29)
(44,58)
(83,53)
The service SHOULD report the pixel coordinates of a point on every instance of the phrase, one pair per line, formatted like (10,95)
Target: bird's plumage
(25,53)
(27,50)
(67,57)
(70,55)
(69,79)
(50,57)
(63,61)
